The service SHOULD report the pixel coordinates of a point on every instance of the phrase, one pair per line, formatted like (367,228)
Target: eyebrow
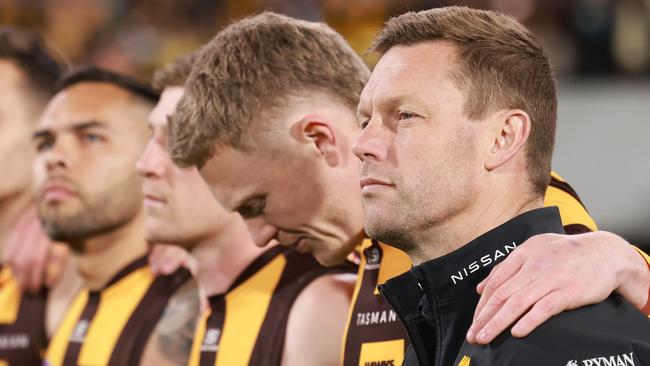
(393,101)
(76,127)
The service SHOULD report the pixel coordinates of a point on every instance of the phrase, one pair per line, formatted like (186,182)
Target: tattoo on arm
(175,330)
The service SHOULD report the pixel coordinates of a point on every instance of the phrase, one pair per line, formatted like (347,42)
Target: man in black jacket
(458,127)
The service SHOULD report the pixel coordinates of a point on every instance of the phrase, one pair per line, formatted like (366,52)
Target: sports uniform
(22,323)
(112,326)
(246,325)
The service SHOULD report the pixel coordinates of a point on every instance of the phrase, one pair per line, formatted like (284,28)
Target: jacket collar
(454,275)
(443,290)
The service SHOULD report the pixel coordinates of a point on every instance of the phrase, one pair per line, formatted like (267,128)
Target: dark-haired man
(458,122)
(89,196)
(267,305)
(28,73)
(278,96)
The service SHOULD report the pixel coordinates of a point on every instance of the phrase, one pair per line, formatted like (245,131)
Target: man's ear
(511,132)
(321,135)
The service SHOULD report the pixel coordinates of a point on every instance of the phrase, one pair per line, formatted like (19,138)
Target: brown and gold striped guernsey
(575,217)
(374,335)
(23,337)
(247,324)
(112,326)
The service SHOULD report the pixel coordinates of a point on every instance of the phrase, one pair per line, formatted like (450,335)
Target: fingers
(505,313)
(496,292)
(56,263)
(154,258)
(166,259)
(499,275)
(552,304)
(29,258)
(189,263)
(35,259)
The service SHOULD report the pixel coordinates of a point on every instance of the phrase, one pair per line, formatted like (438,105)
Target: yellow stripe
(10,297)
(464,361)
(386,352)
(116,306)
(59,343)
(246,308)
(394,262)
(571,211)
(557,177)
(199,334)
(357,286)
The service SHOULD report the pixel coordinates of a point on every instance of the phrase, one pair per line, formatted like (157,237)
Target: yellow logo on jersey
(464,361)
(386,353)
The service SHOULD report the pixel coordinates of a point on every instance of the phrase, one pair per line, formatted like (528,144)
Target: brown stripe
(134,336)
(368,302)
(573,229)
(29,324)
(259,262)
(81,329)
(564,186)
(125,271)
(214,323)
(299,272)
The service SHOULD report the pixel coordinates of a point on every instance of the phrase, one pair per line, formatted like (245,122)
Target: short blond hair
(500,65)
(249,70)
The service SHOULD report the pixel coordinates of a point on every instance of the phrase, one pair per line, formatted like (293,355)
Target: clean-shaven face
(179,208)
(285,190)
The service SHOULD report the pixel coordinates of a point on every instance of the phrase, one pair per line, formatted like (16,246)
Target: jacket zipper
(411,330)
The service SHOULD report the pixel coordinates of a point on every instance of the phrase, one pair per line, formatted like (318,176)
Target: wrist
(634,276)
(646,264)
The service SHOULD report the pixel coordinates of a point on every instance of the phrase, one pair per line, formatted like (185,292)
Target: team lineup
(267,199)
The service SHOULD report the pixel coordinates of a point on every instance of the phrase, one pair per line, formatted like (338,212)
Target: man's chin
(330,259)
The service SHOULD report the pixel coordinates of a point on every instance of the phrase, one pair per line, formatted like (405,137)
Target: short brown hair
(500,65)
(174,73)
(249,70)
(33,57)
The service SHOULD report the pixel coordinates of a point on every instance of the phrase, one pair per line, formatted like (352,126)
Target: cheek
(97,174)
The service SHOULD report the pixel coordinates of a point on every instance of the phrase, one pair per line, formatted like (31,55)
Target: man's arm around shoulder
(612,332)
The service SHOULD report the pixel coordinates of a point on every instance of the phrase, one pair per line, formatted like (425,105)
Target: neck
(223,257)
(499,206)
(105,255)
(11,207)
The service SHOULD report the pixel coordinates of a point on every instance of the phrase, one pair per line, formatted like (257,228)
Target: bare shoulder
(317,321)
(171,341)
(333,288)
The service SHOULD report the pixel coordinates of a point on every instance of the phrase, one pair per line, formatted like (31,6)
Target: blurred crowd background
(600,50)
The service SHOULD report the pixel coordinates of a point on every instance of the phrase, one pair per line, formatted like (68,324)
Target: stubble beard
(96,215)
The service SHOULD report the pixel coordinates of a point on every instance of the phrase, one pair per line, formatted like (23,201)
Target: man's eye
(252,209)
(91,137)
(406,115)
(44,145)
